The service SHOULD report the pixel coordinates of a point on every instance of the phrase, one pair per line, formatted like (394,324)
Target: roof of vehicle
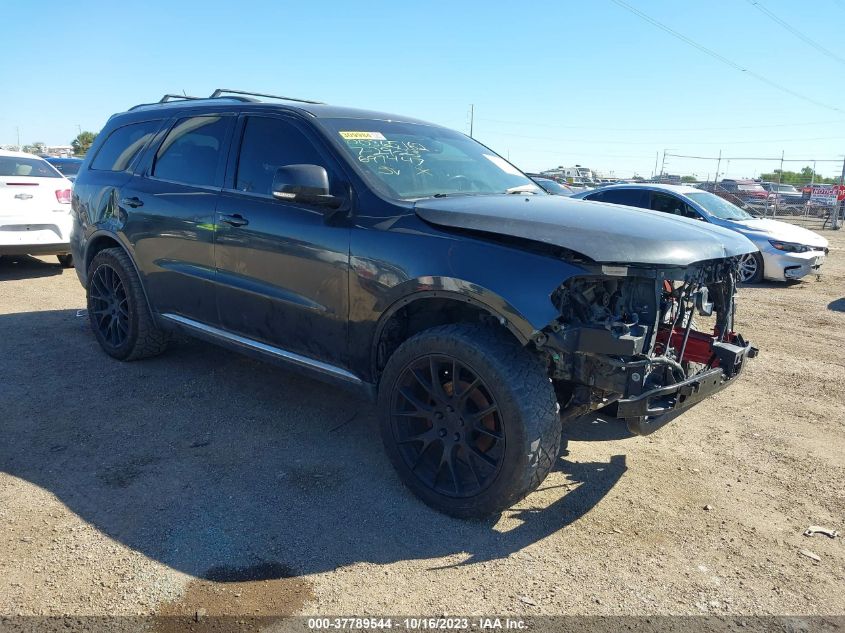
(62,159)
(247,99)
(6,152)
(679,189)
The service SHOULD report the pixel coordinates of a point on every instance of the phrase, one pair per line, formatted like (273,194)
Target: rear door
(34,204)
(282,269)
(170,210)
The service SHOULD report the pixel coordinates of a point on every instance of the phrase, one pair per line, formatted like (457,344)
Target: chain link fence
(801,197)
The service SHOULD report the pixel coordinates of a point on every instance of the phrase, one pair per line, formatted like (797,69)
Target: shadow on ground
(837,306)
(229,469)
(14,267)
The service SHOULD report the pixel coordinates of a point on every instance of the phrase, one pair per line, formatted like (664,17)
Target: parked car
(67,166)
(783,251)
(783,194)
(34,208)
(409,262)
(552,186)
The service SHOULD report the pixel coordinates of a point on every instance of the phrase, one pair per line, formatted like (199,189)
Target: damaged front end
(646,342)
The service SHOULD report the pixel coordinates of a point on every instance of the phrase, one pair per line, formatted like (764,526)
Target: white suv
(34,208)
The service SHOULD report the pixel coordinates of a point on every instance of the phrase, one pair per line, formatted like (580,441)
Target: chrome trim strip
(291,357)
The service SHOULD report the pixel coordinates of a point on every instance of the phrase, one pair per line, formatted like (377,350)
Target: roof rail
(169,97)
(221,91)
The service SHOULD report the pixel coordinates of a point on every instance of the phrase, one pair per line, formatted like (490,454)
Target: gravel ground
(205,481)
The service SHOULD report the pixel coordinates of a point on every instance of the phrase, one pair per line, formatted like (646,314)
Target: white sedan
(34,208)
(785,251)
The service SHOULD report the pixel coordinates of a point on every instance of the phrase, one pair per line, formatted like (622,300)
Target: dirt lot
(202,480)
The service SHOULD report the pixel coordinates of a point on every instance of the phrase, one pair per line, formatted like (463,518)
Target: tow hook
(689,389)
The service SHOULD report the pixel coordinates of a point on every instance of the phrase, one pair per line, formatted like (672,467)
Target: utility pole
(654,171)
(18,131)
(780,179)
(718,164)
(663,164)
(471,117)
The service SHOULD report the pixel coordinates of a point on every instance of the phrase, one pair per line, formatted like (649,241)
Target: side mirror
(308,184)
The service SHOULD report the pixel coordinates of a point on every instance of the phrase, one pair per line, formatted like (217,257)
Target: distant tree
(689,179)
(82,143)
(802,177)
(38,147)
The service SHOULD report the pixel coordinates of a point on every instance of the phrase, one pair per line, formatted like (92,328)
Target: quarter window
(267,145)
(123,145)
(191,151)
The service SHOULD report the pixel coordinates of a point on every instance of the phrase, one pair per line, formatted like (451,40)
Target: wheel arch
(102,240)
(423,309)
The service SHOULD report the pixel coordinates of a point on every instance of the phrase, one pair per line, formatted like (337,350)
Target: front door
(282,269)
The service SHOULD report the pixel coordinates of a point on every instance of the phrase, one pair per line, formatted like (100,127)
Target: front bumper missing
(649,411)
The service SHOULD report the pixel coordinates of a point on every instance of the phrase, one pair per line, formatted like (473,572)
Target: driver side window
(268,144)
(668,203)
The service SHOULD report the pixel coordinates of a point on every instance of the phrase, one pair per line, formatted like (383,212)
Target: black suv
(410,262)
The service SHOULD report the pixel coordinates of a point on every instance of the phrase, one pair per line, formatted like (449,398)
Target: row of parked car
(784,251)
(408,262)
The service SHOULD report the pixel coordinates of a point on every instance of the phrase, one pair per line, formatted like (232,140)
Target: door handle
(234,220)
(133,202)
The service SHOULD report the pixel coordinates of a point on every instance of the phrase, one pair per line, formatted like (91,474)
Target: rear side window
(32,167)
(190,153)
(267,145)
(629,197)
(123,145)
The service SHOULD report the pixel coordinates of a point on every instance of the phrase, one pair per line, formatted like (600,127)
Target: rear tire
(117,308)
(469,419)
(66,261)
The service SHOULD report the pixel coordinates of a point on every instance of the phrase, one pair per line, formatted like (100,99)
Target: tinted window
(33,167)
(68,168)
(667,203)
(191,151)
(123,145)
(630,197)
(267,145)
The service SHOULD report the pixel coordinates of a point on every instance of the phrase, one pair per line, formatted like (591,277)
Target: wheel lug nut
(450,409)
(438,415)
(457,437)
(442,432)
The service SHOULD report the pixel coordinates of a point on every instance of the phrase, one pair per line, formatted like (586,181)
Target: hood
(606,233)
(759,228)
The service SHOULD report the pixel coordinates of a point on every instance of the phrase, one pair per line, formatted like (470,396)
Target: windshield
(33,167)
(409,161)
(750,187)
(718,207)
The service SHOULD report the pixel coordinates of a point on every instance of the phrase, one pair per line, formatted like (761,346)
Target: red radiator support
(699,345)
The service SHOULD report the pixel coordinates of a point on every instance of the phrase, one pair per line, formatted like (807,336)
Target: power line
(778,158)
(721,58)
(794,31)
(654,142)
(660,129)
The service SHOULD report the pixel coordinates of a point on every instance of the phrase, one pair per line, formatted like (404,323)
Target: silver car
(785,251)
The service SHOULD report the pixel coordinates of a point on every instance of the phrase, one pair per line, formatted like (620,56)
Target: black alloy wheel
(109,306)
(448,426)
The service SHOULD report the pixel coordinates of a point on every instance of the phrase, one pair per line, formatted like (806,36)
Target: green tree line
(797,177)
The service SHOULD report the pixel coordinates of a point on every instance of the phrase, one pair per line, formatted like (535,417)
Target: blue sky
(553,83)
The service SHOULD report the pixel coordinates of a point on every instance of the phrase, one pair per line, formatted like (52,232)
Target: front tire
(117,308)
(751,268)
(469,419)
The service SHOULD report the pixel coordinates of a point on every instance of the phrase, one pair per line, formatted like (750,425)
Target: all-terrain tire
(143,338)
(528,413)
